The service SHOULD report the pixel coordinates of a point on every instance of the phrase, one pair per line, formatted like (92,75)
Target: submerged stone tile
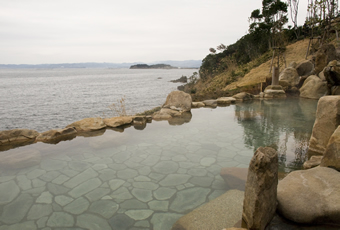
(60,179)
(197,172)
(142,179)
(35,173)
(142,194)
(127,174)
(8,191)
(52,165)
(189,199)
(38,183)
(80,178)
(143,224)
(156,176)
(77,206)
(104,208)
(157,205)
(145,170)
(121,194)
(49,176)
(35,191)
(24,183)
(57,189)
(207,161)
(150,160)
(115,184)
(139,214)
(161,221)
(39,210)
(121,221)
(97,194)
(45,198)
(166,167)
(63,200)
(60,219)
(133,204)
(85,187)
(202,181)
(27,225)
(164,193)
(107,174)
(15,211)
(174,180)
(145,185)
(42,222)
(79,165)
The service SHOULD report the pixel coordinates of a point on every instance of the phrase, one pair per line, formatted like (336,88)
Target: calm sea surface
(43,99)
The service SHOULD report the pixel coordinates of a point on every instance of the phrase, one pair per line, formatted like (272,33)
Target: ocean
(44,99)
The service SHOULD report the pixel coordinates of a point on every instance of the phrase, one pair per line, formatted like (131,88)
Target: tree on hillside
(294,9)
(270,20)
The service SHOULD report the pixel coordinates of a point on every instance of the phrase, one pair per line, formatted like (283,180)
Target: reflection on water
(133,179)
(285,125)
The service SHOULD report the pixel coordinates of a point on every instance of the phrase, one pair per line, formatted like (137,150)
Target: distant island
(156,66)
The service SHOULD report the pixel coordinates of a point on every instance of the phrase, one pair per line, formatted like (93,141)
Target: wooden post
(271,64)
(275,76)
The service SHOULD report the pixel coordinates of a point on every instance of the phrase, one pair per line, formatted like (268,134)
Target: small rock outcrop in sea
(261,188)
(326,122)
(310,196)
(88,124)
(182,79)
(313,88)
(331,156)
(224,211)
(197,104)
(274,91)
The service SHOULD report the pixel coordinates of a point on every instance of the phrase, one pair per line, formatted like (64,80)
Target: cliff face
(157,66)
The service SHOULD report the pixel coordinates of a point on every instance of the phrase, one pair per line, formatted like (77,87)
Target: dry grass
(118,109)
(294,52)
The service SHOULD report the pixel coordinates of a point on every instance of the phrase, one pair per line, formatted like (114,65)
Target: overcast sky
(65,31)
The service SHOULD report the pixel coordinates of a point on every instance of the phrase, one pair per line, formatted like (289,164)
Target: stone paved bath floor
(147,179)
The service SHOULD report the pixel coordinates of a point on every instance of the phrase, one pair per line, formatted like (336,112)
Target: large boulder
(179,100)
(17,136)
(325,54)
(223,212)
(274,91)
(210,103)
(197,104)
(260,194)
(54,136)
(114,122)
(289,77)
(225,100)
(88,124)
(243,96)
(331,157)
(332,75)
(313,88)
(20,158)
(305,68)
(310,196)
(326,121)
